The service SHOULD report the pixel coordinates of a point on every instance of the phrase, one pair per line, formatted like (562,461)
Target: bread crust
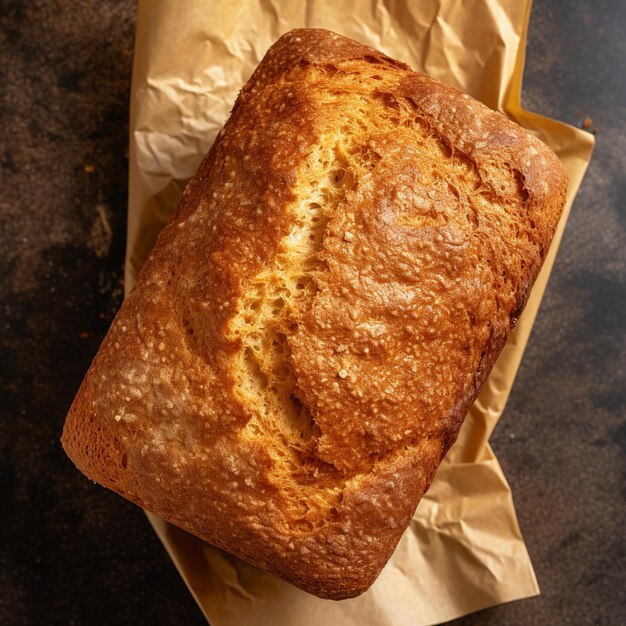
(313,324)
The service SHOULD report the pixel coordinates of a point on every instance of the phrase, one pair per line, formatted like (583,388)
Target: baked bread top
(313,324)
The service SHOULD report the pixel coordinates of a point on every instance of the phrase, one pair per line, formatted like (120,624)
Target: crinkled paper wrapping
(463,550)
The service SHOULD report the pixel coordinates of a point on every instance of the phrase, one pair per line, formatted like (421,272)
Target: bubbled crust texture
(312,326)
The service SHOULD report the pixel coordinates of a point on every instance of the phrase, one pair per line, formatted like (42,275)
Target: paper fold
(463,550)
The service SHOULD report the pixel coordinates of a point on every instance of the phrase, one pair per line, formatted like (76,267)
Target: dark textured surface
(73,553)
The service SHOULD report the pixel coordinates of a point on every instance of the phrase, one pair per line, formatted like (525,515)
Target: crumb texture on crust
(312,326)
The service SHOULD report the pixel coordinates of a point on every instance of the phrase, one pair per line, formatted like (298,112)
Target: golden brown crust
(312,326)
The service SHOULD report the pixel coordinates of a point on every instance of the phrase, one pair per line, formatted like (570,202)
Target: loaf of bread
(313,324)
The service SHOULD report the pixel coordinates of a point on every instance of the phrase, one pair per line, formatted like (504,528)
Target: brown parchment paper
(463,550)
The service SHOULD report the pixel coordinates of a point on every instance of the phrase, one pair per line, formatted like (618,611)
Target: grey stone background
(72,552)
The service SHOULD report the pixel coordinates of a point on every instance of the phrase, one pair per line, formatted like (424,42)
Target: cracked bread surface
(313,324)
